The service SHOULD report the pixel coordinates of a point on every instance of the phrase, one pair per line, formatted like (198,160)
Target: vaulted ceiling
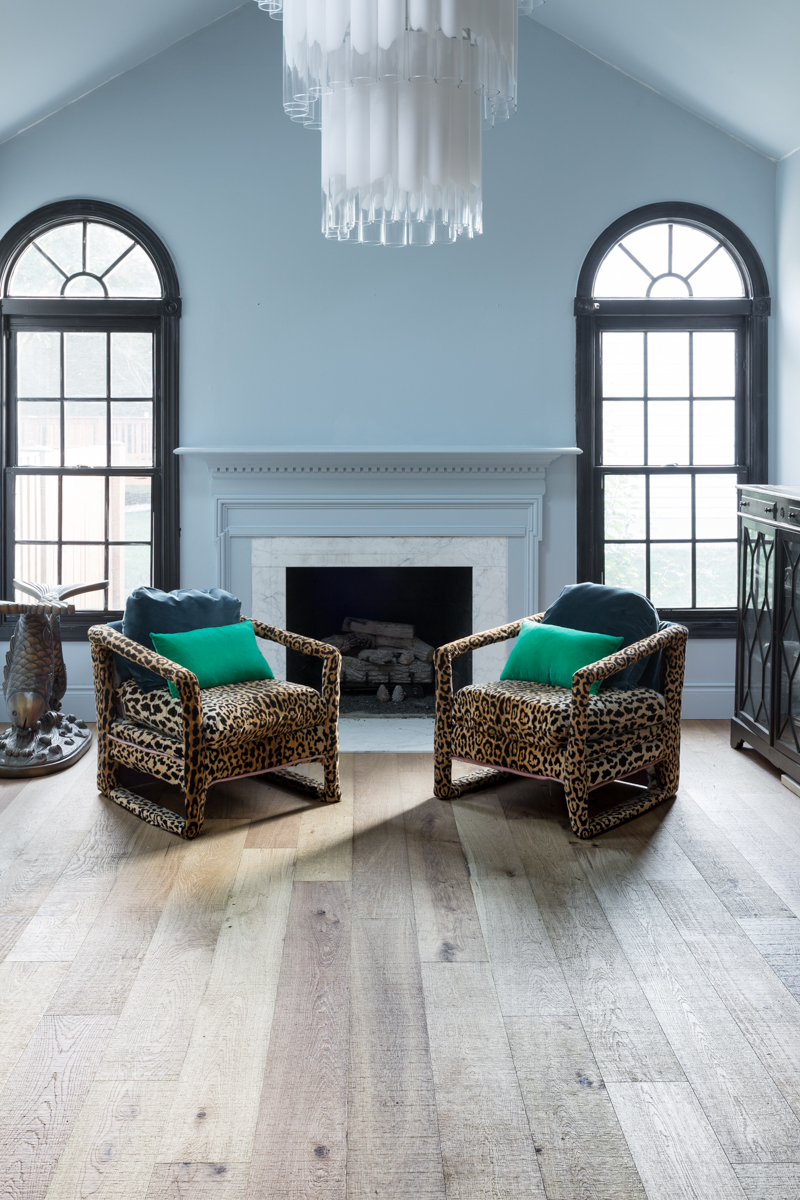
(733,62)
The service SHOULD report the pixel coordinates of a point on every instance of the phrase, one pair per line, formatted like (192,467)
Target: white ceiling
(53,51)
(734,62)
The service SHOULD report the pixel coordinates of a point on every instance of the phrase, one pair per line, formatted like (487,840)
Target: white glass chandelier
(400,90)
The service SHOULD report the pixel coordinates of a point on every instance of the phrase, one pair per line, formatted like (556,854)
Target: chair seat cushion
(233,713)
(542,712)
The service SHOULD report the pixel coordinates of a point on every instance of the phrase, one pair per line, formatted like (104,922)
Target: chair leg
(107,768)
(333,791)
(577,796)
(195,792)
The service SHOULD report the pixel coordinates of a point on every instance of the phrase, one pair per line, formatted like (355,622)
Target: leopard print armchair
(569,735)
(207,737)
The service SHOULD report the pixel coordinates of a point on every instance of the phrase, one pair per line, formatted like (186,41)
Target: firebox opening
(436,601)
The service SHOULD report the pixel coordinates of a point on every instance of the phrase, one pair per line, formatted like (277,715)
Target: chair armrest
(331,660)
(111,639)
(293,641)
(665,639)
(475,641)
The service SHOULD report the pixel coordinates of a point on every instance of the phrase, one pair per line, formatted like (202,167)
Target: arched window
(90,309)
(671,311)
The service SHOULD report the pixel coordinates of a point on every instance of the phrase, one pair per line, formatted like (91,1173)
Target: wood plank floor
(399,999)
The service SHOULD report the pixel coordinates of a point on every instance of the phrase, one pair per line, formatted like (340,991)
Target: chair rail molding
(402,492)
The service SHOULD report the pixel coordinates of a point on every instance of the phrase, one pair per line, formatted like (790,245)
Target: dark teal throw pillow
(149,610)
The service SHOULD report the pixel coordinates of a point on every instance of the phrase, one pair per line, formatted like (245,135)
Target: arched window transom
(668,260)
(85,259)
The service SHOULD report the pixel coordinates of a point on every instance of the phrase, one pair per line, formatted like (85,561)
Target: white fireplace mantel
(382,460)
(288,506)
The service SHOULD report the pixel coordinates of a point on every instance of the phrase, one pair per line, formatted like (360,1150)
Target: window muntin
(668,260)
(84,259)
(83,405)
(668,401)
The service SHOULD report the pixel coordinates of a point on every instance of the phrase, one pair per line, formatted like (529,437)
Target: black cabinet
(767,711)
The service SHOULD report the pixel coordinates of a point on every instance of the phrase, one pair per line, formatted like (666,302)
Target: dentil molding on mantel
(357,460)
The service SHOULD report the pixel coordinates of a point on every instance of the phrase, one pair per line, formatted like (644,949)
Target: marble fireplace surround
(409,506)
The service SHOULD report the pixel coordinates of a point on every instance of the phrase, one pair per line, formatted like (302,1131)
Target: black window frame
(162,316)
(749,315)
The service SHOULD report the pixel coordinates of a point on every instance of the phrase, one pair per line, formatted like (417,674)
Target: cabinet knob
(744,504)
(794,514)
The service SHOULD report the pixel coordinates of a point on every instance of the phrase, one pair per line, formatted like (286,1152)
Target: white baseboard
(707,701)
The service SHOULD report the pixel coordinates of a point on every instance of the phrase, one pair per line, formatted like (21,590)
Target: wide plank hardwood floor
(399,999)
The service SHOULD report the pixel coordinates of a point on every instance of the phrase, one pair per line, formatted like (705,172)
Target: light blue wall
(786,465)
(287,338)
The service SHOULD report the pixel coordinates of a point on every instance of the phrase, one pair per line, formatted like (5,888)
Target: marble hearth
(480,507)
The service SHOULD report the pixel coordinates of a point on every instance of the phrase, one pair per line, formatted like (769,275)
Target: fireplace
(436,602)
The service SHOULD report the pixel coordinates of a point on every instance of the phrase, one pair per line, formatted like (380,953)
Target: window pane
(35,564)
(129,567)
(134,276)
(670,506)
(84,564)
(714,432)
(84,285)
(64,245)
(131,434)
(104,245)
(36,508)
(719,277)
(39,364)
(129,510)
(671,574)
(131,364)
(667,432)
(668,364)
(668,287)
(35,276)
(623,364)
(84,434)
(650,246)
(689,247)
(38,434)
(714,363)
(623,431)
(84,501)
(619,276)
(624,507)
(716,506)
(716,574)
(84,364)
(625,566)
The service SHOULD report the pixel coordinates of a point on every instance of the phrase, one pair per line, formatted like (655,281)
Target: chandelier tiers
(400,90)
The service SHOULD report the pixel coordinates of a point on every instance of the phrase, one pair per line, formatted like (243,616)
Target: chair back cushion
(619,612)
(149,610)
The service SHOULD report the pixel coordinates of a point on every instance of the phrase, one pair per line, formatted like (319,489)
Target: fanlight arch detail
(80,259)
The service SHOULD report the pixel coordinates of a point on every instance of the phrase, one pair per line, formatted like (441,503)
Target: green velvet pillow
(551,654)
(223,654)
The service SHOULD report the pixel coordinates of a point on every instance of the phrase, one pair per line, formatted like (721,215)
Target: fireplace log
(379,657)
(391,629)
(406,658)
(354,670)
(422,650)
(349,643)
